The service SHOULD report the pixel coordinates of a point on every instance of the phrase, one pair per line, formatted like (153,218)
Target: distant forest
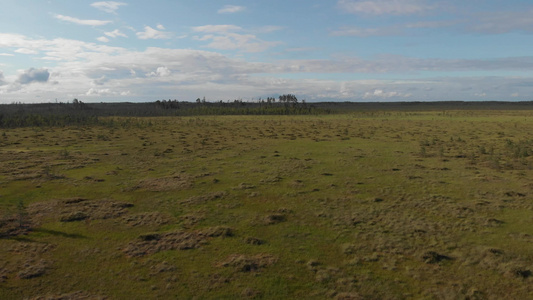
(77,112)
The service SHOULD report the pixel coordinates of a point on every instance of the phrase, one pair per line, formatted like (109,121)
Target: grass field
(377,205)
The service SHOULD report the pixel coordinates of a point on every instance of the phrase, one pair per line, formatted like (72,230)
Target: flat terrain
(376,205)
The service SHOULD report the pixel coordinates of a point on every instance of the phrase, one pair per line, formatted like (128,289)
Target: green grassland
(376,205)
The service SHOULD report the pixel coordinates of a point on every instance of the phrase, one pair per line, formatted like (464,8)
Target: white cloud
(160,72)
(380,94)
(6,54)
(99,92)
(234,41)
(224,37)
(216,28)
(56,49)
(103,39)
(160,27)
(26,51)
(366,32)
(150,33)
(82,22)
(33,75)
(115,33)
(108,6)
(231,9)
(383,7)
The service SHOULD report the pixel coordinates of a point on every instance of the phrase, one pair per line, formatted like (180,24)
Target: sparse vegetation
(366,204)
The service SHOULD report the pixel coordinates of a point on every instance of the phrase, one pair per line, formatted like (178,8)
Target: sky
(318,50)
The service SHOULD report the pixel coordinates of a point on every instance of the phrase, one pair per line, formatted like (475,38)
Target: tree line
(80,113)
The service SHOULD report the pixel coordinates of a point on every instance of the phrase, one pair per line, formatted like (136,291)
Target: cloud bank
(101,72)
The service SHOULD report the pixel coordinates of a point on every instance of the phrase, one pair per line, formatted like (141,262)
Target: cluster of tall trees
(287,98)
(170,104)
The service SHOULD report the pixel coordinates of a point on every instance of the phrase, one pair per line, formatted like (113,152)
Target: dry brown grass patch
(244,263)
(76,209)
(148,219)
(78,295)
(33,269)
(163,184)
(202,199)
(151,243)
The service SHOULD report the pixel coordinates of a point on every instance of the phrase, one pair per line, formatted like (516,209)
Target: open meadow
(360,205)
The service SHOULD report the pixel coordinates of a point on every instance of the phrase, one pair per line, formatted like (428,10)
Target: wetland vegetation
(411,202)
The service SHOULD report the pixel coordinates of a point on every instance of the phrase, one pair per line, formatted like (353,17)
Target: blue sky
(337,50)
